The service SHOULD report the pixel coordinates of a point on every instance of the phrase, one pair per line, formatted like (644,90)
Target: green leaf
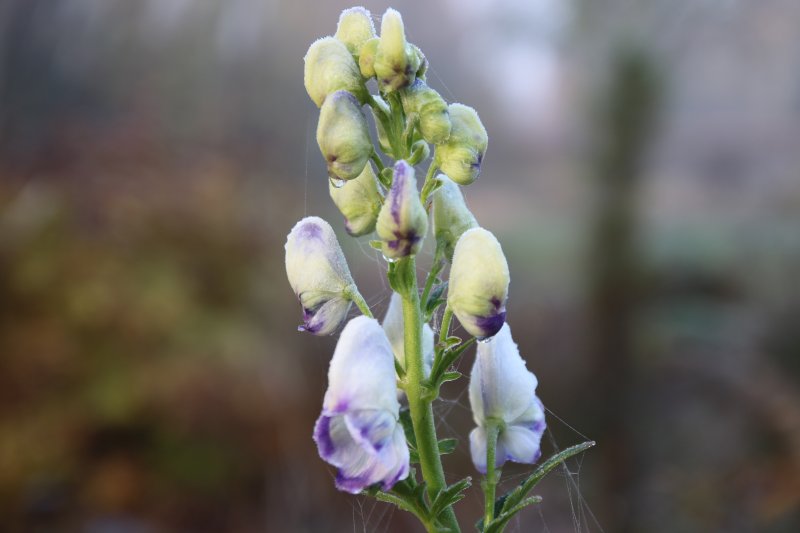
(447,446)
(498,524)
(513,498)
(435,299)
(448,496)
(451,376)
(378,245)
(408,428)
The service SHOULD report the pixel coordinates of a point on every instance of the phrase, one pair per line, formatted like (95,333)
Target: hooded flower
(502,390)
(329,67)
(451,217)
(358,431)
(461,155)
(402,222)
(393,326)
(343,136)
(430,108)
(355,28)
(396,62)
(318,274)
(478,286)
(359,200)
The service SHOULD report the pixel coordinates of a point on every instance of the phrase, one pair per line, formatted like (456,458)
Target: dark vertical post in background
(623,131)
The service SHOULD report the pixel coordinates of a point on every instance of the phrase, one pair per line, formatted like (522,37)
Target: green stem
(377,160)
(357,299)
(447,317)
(438,263)
(490,484)
(421,410)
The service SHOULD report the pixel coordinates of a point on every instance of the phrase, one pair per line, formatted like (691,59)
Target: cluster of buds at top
(359,430)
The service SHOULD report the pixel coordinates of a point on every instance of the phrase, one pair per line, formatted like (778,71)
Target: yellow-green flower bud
(461,155)
(451,217)
(430,108)
(366,58)
(359,200)
(478,286)
(402,221)
(343,136)
(355,28)
(329,67)
(396,63)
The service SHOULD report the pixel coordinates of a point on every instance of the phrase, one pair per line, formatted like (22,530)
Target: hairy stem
(447,317)
(357,299)
(421,410)
(490,484)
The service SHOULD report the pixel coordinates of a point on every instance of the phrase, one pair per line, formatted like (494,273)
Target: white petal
(477,448)
(500,385)
(521,444)
(393,326)
(362,374)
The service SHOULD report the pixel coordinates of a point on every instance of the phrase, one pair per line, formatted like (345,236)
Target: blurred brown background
(643,176)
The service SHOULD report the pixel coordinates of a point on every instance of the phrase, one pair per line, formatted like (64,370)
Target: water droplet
(391,259)
(336,182)
(483,340)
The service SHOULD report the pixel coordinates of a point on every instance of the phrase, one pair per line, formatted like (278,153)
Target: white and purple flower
(479,281)
(319,276)
(359,431)
(402,221)
(503,391)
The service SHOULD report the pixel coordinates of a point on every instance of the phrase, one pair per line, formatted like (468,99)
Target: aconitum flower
(343,136)
(355,28)
(402,221)
(329,67)
(430,109)
(451,217)
(393,326)
(478,285)
(461,155)
(319,276)
(503,391)
(359,200)
(396,62)
(358,431)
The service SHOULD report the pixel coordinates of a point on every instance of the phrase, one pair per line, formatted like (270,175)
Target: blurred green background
(643,175)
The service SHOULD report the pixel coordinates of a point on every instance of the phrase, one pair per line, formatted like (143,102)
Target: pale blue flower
(503,391)
(319,276)
(359,431)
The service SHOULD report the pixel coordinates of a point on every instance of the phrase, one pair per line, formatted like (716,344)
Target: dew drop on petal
(390,259)
(336,182)
(484,340)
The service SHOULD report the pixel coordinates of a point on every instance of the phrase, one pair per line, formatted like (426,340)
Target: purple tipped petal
(358,431)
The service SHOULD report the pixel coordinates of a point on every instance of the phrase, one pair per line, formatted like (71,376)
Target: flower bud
(460,156)
(318,274)
(358,431)
(343,136)
(355,28)
(421,60)
(329,67)
(393,326)
(402,221)
(431,110)
(451,217)
(478,286)
(420,151)
(503,391)
(359,200)
(366,58)
(396,63)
